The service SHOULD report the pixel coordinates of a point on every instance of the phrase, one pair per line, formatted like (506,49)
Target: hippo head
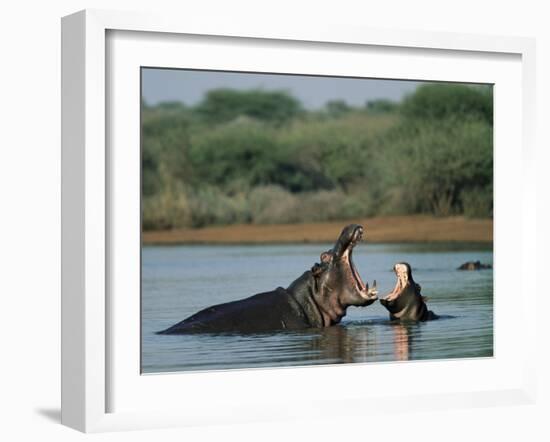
(404,282)
(338,284)
(406,294)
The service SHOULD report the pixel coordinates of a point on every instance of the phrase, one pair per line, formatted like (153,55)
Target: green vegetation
(223,105)
(259,157)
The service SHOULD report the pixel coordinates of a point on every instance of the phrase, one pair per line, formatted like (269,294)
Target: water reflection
(341,345)
(360,343)
(401,342)
(344,344)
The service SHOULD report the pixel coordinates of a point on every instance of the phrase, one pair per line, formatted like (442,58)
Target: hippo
(318,298)
(474,265)
(405,302)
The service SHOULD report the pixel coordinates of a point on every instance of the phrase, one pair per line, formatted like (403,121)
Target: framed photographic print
(246,177)
(250,211)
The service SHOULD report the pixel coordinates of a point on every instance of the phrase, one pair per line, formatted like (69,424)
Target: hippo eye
(317,269)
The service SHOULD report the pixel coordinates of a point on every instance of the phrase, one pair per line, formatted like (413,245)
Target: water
(178,281)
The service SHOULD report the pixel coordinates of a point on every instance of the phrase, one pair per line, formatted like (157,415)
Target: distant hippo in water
(318,298)
(405,301)
(474,265)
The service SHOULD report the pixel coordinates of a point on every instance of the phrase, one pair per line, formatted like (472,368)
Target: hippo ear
(326,257)
(316,270)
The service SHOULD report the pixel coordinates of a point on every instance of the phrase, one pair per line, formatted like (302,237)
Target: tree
(337,108)
(440,101)
(381,106)
(222,105)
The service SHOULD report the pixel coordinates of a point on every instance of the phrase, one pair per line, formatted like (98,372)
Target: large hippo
(318,298)
(405,302)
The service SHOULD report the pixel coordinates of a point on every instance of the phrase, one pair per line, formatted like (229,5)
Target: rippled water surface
(178,281)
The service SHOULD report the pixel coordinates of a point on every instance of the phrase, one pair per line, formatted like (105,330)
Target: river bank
(416,228)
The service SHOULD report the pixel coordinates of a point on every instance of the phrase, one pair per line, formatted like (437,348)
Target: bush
(251,154)
(273,205)
(430,165)
(440,101)
(165,138)
(337,108)
(478,202)
(224,105)
(210,206)
(166,210)
(336,152)
(381,106)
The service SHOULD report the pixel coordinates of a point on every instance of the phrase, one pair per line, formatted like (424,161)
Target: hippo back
(246,315)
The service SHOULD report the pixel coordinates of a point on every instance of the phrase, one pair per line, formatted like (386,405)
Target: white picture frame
(89,321)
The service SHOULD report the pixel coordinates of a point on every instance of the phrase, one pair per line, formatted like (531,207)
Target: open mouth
(362,288)
(402,278)
(401,283)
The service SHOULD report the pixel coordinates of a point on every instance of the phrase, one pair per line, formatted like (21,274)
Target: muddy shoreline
(389,229)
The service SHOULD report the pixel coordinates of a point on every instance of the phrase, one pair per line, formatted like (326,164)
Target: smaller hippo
(405,302)
(474,265)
